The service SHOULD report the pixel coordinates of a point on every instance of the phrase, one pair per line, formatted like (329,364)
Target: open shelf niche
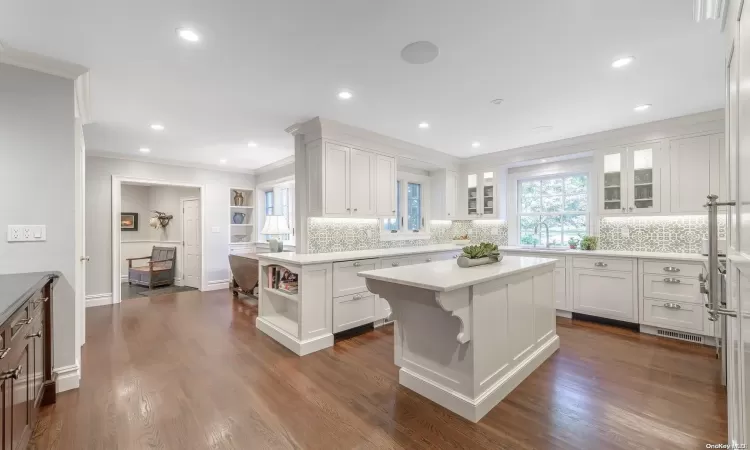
(278,307)
(243,208)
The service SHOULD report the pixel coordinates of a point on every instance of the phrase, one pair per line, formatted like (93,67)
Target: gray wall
(277,173)
(99,172)
(135,199)
(37,179)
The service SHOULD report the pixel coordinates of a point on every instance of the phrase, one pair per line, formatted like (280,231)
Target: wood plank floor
(190,371)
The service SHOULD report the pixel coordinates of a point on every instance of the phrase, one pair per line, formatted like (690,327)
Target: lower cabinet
(561,293)
(604,293)
(20,395)
(353,310)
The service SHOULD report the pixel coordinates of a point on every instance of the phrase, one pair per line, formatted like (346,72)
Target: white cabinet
(385,186)
(630,179)
(605,293)
(696,170)
(444,194)
(560,289)
(481,195)
(345,181)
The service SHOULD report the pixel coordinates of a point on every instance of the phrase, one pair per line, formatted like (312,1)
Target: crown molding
(40,63)
(275,165)
(167,162)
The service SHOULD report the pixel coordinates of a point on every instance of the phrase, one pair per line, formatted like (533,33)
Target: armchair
(160,270)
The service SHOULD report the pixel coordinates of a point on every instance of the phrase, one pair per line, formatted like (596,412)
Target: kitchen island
(466,337)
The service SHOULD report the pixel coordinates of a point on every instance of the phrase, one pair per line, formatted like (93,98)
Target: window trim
(275,187)
(403,234)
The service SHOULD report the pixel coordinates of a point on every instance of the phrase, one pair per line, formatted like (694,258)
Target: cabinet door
(362,182)
(488,197)
(451,194)
(604,294)
(613,193)
(644,178)
(336,196)
(473,194)
(385,186)
(689,163)
(20,401)
(38,341)
(560,293)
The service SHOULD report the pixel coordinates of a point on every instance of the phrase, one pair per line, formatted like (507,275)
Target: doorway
(157,238)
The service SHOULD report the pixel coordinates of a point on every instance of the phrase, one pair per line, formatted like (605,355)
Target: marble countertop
(18,287)
(444,276)
(697,257)
(318,258)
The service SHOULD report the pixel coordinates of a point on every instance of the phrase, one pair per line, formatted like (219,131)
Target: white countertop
(318,258)
(612,253)
(443,276)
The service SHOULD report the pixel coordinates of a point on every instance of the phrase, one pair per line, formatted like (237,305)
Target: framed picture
(129,221)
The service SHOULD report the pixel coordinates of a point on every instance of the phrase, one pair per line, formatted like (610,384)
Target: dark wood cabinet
(26,379)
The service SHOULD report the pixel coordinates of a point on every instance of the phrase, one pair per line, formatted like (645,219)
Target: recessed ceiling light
(475,144)
(345,95)
(421,52)
(188,34)
(157,127)
(497,101)
(424,125)
(252,144)
(544,160)
(144,150)
(622,62)
(640,108)
(222,161)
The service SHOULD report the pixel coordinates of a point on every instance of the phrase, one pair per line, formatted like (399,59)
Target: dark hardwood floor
(190,371)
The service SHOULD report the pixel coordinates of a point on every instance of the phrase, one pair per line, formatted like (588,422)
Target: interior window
(409,209)
(414,201)
(280,201)
(559,203)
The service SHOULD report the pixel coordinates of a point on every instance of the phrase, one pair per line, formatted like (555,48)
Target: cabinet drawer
(395,262)
(679,289)
(619,265)
(353,310)
(682,316)
(672,268)
(560,260)
(345,279)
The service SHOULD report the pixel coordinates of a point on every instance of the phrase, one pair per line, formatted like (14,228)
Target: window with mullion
(558,203)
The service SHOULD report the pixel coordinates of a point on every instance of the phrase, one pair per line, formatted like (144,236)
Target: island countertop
(17,287)
(444,276)
(319,258)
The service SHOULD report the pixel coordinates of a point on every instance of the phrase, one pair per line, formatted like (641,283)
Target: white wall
(142,200)
(37,178)
(99,172)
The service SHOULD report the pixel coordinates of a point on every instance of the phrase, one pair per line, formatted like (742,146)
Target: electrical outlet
(625,231)
(27,233)
(14,233)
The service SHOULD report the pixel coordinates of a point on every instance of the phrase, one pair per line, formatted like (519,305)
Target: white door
(644,178)
(336,165)
(81,235)
(191,243)
(362,182)
(489,199)
(614,192)
(385,186)
(472,195)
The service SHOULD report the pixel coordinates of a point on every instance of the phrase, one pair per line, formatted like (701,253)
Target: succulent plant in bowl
(475,255)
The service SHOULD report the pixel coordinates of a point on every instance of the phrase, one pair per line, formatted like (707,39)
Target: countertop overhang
(697,257)
(445,276)
(16,288)
(320,258)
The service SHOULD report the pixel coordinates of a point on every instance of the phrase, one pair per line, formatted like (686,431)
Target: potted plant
(462,239)
(477,255)
(589,243)
(573,242)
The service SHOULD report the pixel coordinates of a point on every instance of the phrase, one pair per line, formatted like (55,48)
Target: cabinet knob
(35,335)
(11,373)
(348,209)
(455,256)
(428,260)
(395,264)
(394,211)
(355,209)
(4,352)
(623,209)
(357,297)
(357,264)
(631,209)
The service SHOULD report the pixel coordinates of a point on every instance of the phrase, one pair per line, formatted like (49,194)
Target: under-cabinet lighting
(343,220)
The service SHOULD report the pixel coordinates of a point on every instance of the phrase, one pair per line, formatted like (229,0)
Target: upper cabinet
(630,179)
(481,195)
(444,194)
(350,182)
(696,168)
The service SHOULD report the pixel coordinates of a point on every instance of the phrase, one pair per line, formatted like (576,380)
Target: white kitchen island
(466,337)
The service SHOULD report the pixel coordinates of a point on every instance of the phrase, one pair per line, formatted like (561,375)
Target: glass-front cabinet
(630,179)
(481,198)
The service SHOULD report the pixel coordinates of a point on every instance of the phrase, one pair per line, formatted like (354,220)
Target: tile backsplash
(338,235)
(673,234)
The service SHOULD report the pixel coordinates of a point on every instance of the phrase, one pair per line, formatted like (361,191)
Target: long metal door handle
(672,280)
(726,312)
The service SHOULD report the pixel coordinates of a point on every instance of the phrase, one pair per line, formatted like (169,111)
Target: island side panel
(316,309)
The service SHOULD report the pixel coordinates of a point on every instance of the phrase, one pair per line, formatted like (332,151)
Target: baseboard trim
(68,377)
(217,285)
(565,314)
(475,409)
(98,300)
(301,348)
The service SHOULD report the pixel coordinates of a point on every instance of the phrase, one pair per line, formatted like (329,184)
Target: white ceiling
(263,65)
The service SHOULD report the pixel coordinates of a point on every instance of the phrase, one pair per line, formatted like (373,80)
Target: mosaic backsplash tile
(674,234)
(338,235)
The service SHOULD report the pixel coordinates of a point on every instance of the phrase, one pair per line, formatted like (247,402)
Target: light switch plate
(214,229)
(27,233)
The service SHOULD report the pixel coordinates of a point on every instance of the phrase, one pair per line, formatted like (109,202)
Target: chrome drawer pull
(672,280)
(11,373)
(672,306)
(671,269)
(357,297)
(35,335)
(428,260)
(600,264)
(357,264)
(4,352)
(395,264)
(455,256)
